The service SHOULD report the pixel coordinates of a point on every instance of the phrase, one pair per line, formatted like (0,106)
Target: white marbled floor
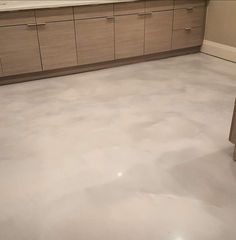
(138,152)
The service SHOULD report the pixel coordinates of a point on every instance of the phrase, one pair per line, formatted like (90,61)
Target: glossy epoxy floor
(131,153)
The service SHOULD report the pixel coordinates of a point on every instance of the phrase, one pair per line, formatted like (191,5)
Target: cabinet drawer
(93,11)
(54,15)
(17,18)
(159,5)
(129,8)
(191,17)
(184,38)
(189,3)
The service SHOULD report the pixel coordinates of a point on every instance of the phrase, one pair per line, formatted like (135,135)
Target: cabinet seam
(144,36)
(114,31)
(76,40)
(40,53)
(172,33)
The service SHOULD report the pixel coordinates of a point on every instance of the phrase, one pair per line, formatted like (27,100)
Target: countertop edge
(6,8)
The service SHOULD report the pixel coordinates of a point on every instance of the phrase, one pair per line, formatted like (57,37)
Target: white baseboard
(219,50)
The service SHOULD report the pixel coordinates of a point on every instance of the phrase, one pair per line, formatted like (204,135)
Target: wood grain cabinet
(189,17)
(95,40)
(56,34)
(93,11)
(129,29)
(189,3)
(158,31)
(188,37)
(188,26)
(159,5)
(129,36)
(129,8)
(57,45)
(94,33)
(19,50)
(57,38)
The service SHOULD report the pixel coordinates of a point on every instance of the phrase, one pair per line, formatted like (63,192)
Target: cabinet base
(93,67)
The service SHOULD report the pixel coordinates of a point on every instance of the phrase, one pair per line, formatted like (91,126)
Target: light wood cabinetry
(57,38)
(54,15)
(159,5)
(56,33)
(19,50)
(17,18)
(188,26)
(95,40)
(184,38)
(189,17)
(129,8)
(189,3)
(158,32)
(93,11)
(129,36)
(57,44)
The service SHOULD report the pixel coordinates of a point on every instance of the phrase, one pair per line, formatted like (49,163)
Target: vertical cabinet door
(95,40)
(158,32)
(19,50)
(129,36)
(57,45)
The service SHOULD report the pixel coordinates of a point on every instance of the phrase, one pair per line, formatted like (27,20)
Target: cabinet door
(57,45)
(95,40)
(19,50)
(189,37)
(158,32)
(129,36)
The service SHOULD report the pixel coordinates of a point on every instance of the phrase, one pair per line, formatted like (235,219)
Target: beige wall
(221,22)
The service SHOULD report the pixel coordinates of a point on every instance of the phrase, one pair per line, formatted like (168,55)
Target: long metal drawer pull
(145,14)
(32,25)
(188,29)
(36,24)
(189,9)
(41,24)
(110,18)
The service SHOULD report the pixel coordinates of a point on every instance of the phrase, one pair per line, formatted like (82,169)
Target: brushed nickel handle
(189,9)
(188,29)
(32,25)
(145,14)
(36,24)
(41,24)
(110,18)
